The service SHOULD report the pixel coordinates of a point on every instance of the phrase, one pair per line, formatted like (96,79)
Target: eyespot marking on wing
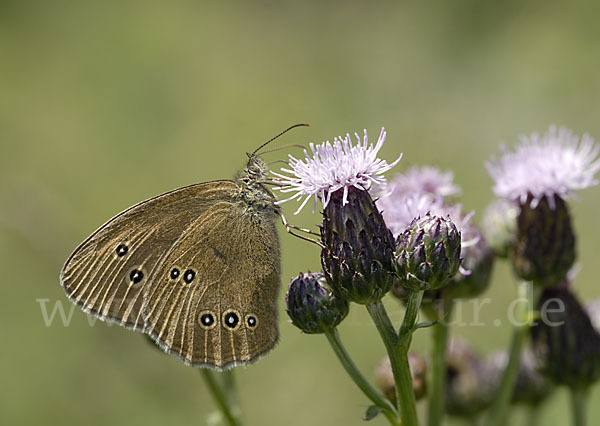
(251,321)
(122,249)
(231,319)
(189,275)
(206,319)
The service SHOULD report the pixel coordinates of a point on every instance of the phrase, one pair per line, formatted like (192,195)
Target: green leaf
(425,324)
(372,412)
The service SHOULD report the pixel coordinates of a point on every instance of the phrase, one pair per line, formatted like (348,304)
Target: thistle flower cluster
(532,224)
(410,235)
(361,258)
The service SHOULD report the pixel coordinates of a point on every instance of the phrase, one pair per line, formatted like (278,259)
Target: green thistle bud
(544,250)
(428,253)
(312,306)
(359,248)
(500,226)
(418,372)
(478,261)
(564,340)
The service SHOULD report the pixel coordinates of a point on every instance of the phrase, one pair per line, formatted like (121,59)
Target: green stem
(437,403)
(533,415)
(220,398)
(387,408)
(579,398)
(501,402)
(397,349)
(410,316)
(232,394)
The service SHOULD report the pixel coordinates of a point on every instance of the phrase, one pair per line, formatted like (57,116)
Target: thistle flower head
(332,167)
(399,211)
(428,253)
(554,164)
(565,342)
(358,249)
(416,192)
(312,306)
(424,180)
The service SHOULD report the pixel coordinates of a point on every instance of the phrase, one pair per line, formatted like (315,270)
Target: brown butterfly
(197,269)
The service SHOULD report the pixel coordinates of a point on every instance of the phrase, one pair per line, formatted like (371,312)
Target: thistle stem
(387,408)
(223,400)
(522,318)
(533,415)
(441,330)
(231,393)
(579,398)
(397,349)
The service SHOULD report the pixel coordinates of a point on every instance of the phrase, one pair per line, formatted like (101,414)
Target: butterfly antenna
(291,145)
(277,161)
(275,137)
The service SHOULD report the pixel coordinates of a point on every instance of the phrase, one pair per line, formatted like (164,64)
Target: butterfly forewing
(107,274)
(213,299)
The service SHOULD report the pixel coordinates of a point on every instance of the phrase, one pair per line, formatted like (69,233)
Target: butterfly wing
(220,308)
(107,274)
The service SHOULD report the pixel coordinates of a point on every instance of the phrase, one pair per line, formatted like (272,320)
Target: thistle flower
(312,306)
(399,212)
(542,173)
(424,180)
(414,194)
(544,248)
(428,253)
(564,341)
(334,167)
(357,254)
(418,372)
(358,248)
(555,164)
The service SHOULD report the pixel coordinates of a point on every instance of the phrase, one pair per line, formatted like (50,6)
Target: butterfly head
(255,171)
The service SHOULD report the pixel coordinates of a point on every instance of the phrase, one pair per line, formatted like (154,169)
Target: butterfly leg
(290,229)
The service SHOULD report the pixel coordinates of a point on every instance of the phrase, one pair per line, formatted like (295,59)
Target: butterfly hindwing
(214,300)
(108,273)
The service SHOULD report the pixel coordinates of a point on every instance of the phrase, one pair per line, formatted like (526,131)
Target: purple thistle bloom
(416,192)
(557,163)
(333,167)
(400,209)
(424,180)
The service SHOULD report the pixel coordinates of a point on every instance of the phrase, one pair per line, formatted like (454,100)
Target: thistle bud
(418,371)
(478,261)
(312,306)
(466,393)
(564,340)
(531,387)
(544,250)
(359,248)
(500,225)
(428,253)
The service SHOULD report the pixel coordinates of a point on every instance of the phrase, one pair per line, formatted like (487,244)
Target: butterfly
(197,269)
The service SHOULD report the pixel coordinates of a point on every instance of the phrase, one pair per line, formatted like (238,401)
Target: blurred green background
(103,104)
